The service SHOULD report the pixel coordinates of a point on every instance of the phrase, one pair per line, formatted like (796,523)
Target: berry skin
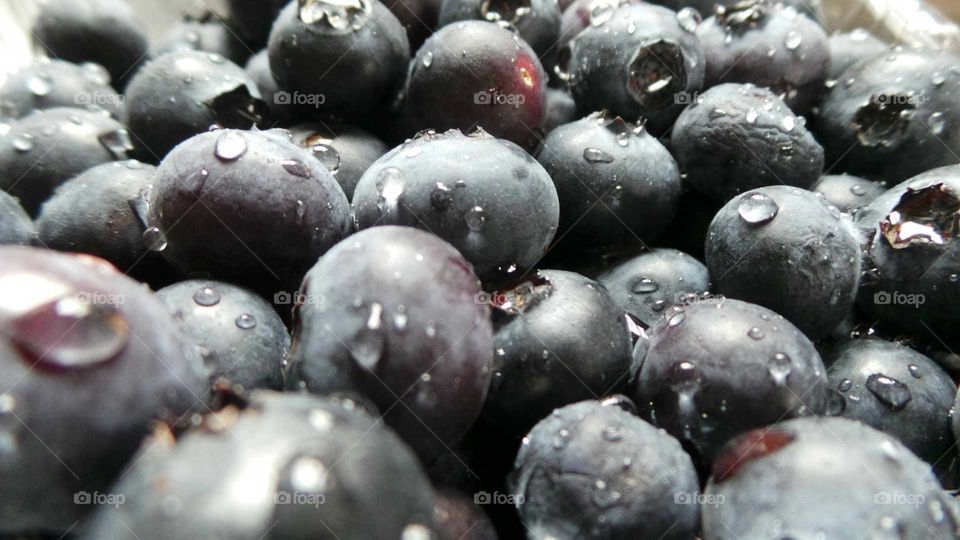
(593,470)
(459,517)
(294,464)
(616,183)
(238,334)
(391,313)
(350,56)
(107,32)
(791,478)
(96,213)
(476,73)
(912,256)
(639,62)
(222,200)
(739,137)
(536,21)
(719,367)
(486,196)
(50,146)
(899,391)
(16,227)
(346,151)
(560,338)
(185,92)
(851,49)
(786,249)
(893,117)
(768,45)
(647,285)
(88,359)
(253,19)
(207,33)
(847,192)
(46,84)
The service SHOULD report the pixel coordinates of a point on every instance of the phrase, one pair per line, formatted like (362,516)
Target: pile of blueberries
(478,269)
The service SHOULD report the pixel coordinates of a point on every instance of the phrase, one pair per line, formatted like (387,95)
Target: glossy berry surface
(16,227)
(346,151)
(848,192)
(850,50)
(46,84)
(486,196)
(536,21)
(413,336)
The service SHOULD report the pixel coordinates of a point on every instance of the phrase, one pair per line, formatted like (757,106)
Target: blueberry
(688,230)
(46,84)
(912,255)
(719,367)
(893,117)
(458,517)
(848,192)
(536,21)
(258,69)
(899,391)
(206,32)
(637,61)
(560,338)
(184,92)
(476,73)
(851,49)
(561,109)
(616,183)
(107,32)
(392,313)
(287,466)
(223,199)
(788,250)
(238,334)
(810,8)
(88,360)
(48,147)
(346,151)
(579,15)
(646,285)
(16,227)
(419,17)
(486,196)
(346,58)
(96,212)
(769,45)
(791,478)
(591,470)
(737,137)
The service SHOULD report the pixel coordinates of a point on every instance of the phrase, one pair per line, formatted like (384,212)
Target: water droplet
(416,531)
(117,142)
(327,156)
(441,197)
(676,319)
(793,40)
(230,146)
(689,19)
(154,239)
(914,371)
(757,209)
(858,190)
(428,59)
(561,439)
(645,285)
(752,116)
(891,392)
(297,168)
(246,321)
(789,123)
(780,368)
(756,333)
(595,155)
(937,123)
(23,143)
(70,332)
(40,85)
(685,377)
(207,296)
(475,218)
(613,433)
(937,79)
(7,403)
(845,385)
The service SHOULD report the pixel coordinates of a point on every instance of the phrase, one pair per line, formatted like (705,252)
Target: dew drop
(475,218)
(230,146)
(23,143)
(297,168)
(154,239)
(891,392)
(645,285)
(428,59)
(689,19)
(40,85)
(206,296)
(793,40)
(780,368)
(757,209)
(858,190)
(752,116)
(789,123)
(937,123)
(595,155)
(914,371)
(246,321)
(327,156)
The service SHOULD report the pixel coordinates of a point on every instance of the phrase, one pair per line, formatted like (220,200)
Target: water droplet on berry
(889,391)
(230,146)
(206,296)
(246,321)
(757,209)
